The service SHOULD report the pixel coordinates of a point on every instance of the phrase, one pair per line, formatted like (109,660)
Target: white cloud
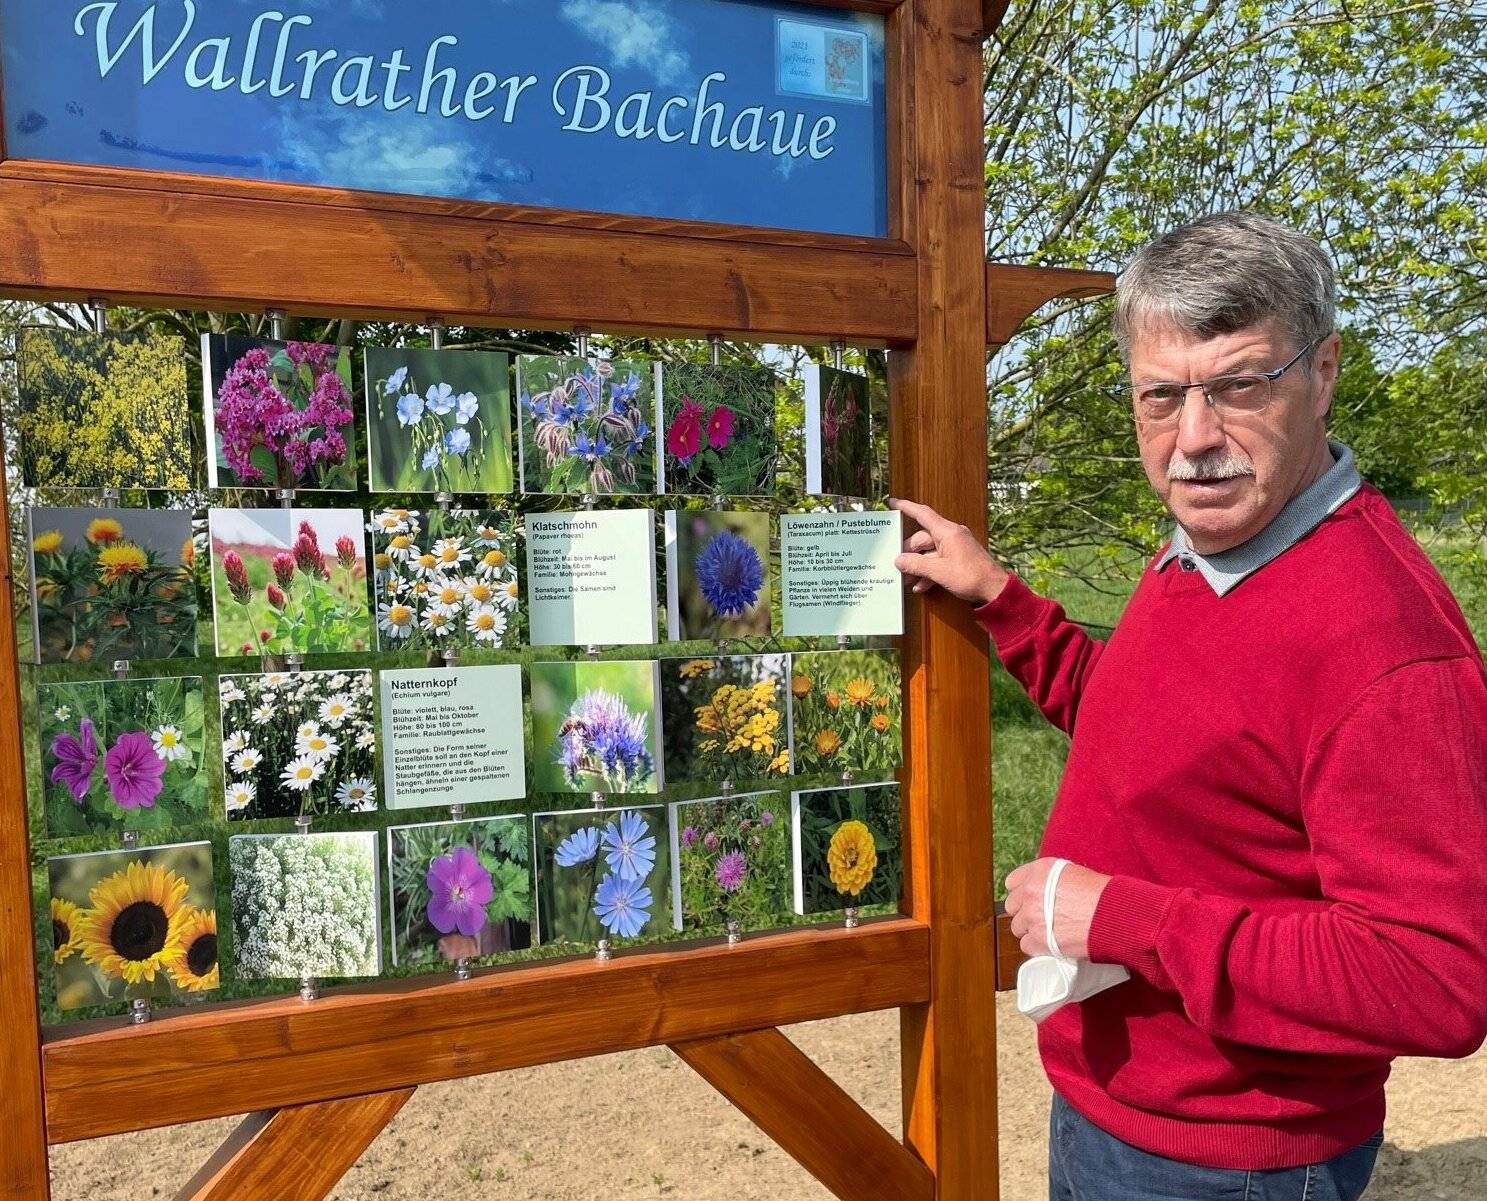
(423,156)
(635,34)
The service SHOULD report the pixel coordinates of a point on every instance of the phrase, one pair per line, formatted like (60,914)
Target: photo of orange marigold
(847,719)
(860,692)
(852,858)
(828,742)
(800,685)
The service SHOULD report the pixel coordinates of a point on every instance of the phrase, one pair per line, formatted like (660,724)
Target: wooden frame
(335,1071)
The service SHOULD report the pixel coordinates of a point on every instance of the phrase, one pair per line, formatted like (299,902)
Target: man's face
(1224,479)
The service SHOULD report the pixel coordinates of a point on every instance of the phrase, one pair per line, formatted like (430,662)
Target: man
(1275,802)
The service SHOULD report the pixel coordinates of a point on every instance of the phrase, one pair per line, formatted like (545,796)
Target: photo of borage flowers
(725,718)
(122,755)
(460,890)
(444,581)
(278,414)
(717,575)
(110,584)
(846,710)
(585,426)
(595,727)
(304,905)
(289,581)
(102,410)
(298,743)
(602,873)
(438,420)
(839,445)
(848,850)
(132,925)
(732,861)
(718,430)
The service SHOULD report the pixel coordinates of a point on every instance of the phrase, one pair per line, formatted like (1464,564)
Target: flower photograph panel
(717,575)
(304,905)
(602,873)
(838,433)
(289,581)
(122,755)
(848,850)
(460,890)
(725,718)
(278,414)
(846,712)
(298,744)
(438,420)
(585,426)
(718,430)
(109,584)
(444,581)
(731,858)
(135,924)
(103,410)
(596,727)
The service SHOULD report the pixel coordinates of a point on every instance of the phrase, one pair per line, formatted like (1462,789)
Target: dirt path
(642,1125)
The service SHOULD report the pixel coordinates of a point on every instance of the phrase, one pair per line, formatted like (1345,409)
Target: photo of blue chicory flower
(630,848)
(579,847)
(730,574)
(622,906)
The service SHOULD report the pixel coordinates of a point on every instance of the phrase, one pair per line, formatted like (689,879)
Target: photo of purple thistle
(76,758)
(730,870)
(711,840)
(689,837)
(622,906)
(630,848)
(460,889)
(603,738)
(134,771)
(730,574)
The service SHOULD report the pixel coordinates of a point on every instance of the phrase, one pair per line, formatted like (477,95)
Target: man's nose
(1199,427)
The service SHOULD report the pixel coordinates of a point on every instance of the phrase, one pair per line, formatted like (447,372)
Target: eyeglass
(1240,394)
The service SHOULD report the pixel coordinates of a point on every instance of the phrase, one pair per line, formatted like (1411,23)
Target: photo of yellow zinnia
(851,858)
(847,847)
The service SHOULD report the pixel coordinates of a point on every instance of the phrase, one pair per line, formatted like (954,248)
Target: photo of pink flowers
(586,426)
(717,575)
(278,414)
(444,581)
(133,925)
(460,890)
(438,420)
(725,718)
(717,425)
(838,433)
(298,744)
(602,873)
(111,584)
(732,857)
(289,581)
(122,755)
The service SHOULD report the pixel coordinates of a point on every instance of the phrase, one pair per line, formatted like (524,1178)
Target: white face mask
(1046,983)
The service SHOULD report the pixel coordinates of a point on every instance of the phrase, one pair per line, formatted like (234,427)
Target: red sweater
(1289,786)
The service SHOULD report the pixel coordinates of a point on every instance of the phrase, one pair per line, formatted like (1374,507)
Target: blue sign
(740,111)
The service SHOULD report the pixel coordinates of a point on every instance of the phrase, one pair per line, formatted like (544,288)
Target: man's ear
(1325,362)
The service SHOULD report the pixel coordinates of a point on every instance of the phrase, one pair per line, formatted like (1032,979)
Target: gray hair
(1224,273)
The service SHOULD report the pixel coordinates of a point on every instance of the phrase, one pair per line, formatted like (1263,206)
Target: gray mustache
(1220,468)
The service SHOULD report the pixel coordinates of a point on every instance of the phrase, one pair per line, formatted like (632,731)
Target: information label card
(591,577)
(838,575)
(452,737)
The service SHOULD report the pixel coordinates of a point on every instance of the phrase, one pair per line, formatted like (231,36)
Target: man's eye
(1160,394)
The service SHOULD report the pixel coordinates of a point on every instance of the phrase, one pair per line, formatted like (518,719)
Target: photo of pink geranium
(717,427)
(278,414)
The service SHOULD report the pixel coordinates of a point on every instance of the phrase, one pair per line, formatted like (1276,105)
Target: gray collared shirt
(1303,513)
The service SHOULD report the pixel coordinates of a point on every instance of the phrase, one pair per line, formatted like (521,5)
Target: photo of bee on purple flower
(585,426)
(596,727)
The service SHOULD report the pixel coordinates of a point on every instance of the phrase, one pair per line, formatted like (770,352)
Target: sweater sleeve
(1393,959)
(1050,656)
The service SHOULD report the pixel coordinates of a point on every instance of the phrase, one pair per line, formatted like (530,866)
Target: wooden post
(938,453)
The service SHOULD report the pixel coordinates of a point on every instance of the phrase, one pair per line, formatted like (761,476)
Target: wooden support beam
(937,446)
(808,1114)
(215,1060)
(1013,294)
(294,1154)
(1009,954)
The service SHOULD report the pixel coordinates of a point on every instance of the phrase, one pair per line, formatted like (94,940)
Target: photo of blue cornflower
(598,874)
(717,575)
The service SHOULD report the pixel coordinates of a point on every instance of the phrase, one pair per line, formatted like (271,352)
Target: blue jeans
(1086,1164)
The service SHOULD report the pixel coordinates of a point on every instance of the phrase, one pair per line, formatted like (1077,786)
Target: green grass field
(1028,754)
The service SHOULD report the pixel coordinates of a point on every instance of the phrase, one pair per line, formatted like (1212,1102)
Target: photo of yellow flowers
(846,712)
(132,925)
(444,581)
(725,718)
(109,584)
(103,410)
(732,861)
(848,851)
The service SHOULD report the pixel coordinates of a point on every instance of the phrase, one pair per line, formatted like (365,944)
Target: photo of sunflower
(129,925)
(847,847)
(717,575)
